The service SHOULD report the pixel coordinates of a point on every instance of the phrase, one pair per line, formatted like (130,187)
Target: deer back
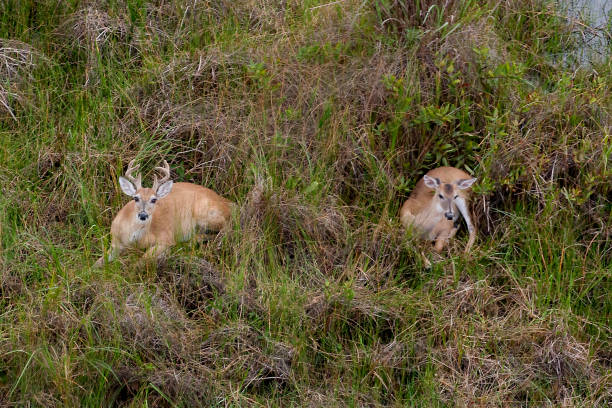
(189,207)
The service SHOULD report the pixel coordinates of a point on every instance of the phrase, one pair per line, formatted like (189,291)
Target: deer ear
(127,187)
(164,189)
(466,183)
(431,182)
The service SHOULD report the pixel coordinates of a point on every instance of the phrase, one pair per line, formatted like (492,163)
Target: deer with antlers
(159,217)
(435,204)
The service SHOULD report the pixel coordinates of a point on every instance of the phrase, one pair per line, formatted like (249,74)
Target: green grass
(317,119)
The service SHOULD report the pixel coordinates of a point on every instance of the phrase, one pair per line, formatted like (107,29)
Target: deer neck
(139,230)
(429,217)
(433,211)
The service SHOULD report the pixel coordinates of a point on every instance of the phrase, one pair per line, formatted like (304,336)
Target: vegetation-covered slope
(317,118)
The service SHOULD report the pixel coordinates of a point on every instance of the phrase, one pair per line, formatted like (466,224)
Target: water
(593,29)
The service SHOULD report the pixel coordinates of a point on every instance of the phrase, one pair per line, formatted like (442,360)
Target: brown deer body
(435,204)
(159,217)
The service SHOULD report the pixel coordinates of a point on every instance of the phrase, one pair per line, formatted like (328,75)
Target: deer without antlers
(435,203)
(167,213)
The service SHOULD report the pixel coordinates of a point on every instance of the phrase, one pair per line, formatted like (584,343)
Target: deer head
(449,196)
(145,198)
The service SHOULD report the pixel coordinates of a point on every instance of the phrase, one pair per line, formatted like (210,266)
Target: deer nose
(143,216)
(448,215)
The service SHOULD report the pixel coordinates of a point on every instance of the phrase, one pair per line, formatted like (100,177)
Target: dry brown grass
(95,32)
(496,358)
(17,61)
(93,29)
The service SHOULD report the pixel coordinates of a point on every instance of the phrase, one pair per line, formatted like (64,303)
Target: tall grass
(317,118)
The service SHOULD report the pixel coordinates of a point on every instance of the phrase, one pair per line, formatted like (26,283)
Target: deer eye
(441,196)
(457,196)
(136,199)
(153,200)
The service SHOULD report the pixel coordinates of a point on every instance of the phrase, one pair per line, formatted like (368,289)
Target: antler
(166,175)
(137,181)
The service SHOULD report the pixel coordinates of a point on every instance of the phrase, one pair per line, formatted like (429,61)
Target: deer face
(447,195)
(145,198)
